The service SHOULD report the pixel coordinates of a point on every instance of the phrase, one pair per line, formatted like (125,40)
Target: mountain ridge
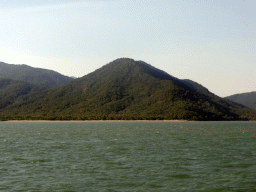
(247,99)
(43,77)
(125,89)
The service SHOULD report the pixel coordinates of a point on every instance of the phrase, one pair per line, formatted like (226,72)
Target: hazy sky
(211,42)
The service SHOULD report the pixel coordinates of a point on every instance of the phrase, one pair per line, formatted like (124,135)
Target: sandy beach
(97,121)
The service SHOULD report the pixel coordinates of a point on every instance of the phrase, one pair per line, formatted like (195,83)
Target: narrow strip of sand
(97,121)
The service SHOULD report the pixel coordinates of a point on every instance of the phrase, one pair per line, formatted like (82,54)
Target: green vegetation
(246,99)
(125,90)
(42,77)
(197,87)
(11,90)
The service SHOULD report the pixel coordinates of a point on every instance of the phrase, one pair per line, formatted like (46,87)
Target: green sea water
(127,156)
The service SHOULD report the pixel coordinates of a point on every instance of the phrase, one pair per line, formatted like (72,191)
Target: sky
(211,42)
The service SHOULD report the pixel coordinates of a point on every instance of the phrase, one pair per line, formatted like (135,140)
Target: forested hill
(38,76)
(11,90)
(247,99)
(126,89)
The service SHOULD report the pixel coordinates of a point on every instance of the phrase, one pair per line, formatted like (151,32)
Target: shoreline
(97,121)
(113,121)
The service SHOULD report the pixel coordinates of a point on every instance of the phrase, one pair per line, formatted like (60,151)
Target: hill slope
(246,99)
(197,87)
(126,89)
(43,77)
(11,90)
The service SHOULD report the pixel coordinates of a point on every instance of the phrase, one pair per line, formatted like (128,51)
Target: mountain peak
(125,89)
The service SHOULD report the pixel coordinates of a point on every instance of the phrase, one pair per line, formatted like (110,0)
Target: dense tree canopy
(125,89)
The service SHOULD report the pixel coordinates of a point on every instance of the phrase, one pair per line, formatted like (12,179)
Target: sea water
(127,156)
